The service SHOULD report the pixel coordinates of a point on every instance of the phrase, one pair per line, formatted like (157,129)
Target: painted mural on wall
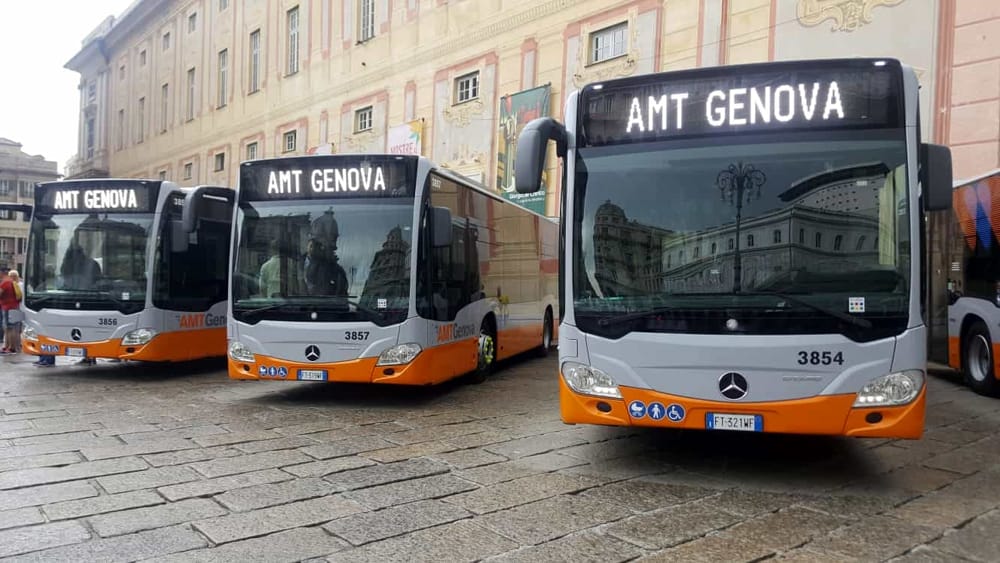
(516,111)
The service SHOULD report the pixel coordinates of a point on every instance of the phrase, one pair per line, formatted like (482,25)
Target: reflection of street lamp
(734,183)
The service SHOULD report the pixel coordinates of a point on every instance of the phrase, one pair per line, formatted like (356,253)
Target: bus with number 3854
(127,269)
(742,248)
(383,269)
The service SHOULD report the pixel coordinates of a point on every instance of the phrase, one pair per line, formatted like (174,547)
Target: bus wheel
(543,350)
(977,361)
(487,353)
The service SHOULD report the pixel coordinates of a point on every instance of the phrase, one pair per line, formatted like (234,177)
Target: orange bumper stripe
(828,414)
(431,366)
(178,346)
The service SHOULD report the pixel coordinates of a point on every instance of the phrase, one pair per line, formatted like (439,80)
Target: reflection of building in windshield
(389,273)
(831,225)
(626,253)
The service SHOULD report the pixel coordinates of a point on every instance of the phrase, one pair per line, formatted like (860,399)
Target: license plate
(76,352)
(739,422)
(312,375)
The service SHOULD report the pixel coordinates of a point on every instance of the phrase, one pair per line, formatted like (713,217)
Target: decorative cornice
(847,15)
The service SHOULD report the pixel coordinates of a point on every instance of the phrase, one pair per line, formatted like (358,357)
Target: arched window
(861,243)
(837,241)
(732,244)
(777,236)
(819,240)
(749,241)
(714,248)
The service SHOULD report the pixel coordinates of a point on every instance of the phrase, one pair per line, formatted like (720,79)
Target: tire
(547,332)
(487,353)
(977,361)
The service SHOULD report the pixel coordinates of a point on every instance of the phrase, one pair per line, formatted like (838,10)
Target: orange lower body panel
(432,366)
(178,346)
(823,415)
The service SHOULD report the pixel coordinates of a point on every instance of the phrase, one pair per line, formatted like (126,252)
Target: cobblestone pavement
(123,462)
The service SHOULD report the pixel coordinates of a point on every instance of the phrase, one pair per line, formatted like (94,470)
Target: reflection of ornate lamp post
(736,182)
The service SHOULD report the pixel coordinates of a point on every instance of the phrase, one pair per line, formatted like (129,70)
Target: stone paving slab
(368,527)
(188,465)
(102,504)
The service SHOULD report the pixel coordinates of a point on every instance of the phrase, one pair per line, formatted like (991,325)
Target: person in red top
(10,306)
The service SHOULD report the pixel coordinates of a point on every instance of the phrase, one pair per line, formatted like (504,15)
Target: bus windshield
(698,235)
(88,261)
(323,260)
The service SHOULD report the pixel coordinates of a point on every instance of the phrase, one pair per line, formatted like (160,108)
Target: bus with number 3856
(383,269)
(127,269)
(742,248)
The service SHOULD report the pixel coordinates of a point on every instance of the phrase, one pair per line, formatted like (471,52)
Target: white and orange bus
(127,269)
(743,248)
(974,282)
(383,269)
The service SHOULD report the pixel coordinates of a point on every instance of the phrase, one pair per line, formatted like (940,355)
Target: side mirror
(195,204)
(440,227)
(178,237)
(936,176)
(529,161)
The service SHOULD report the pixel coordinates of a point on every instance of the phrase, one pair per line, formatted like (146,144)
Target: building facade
(187,89)
(19,172)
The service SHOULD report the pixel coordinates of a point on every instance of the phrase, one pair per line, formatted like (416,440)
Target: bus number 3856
(816,358)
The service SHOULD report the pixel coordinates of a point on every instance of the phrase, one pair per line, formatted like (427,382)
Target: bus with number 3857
(383,269)
(743,248)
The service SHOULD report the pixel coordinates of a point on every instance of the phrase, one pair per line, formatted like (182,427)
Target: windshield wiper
(856,321)
(608,321)
(258,310)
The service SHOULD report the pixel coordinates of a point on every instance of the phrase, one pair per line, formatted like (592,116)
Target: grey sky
(39,101)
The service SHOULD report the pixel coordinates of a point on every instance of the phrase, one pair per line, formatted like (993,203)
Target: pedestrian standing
(8,303)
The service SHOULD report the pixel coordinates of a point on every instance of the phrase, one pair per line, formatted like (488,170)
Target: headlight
(138,337)
(239,352)
(890,390)
(398,355)
(29,334)
(589,381)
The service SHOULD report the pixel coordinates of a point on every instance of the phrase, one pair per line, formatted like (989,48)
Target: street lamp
(736,182)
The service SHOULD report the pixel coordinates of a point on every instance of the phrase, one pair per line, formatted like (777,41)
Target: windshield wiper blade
(608,321)
(856,321)
(259,310)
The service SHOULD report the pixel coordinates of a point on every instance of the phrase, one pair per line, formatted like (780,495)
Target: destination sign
(726,100)
(108,196)
(328,176)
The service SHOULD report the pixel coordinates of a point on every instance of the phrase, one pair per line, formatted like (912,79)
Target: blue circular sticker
(637,409)
(656,411)
(675,412)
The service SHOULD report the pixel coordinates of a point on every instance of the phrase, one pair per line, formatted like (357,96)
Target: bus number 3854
(816,358)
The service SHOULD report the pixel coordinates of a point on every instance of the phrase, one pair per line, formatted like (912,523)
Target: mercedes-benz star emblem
(75,334)
(733,386)
(312,352)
